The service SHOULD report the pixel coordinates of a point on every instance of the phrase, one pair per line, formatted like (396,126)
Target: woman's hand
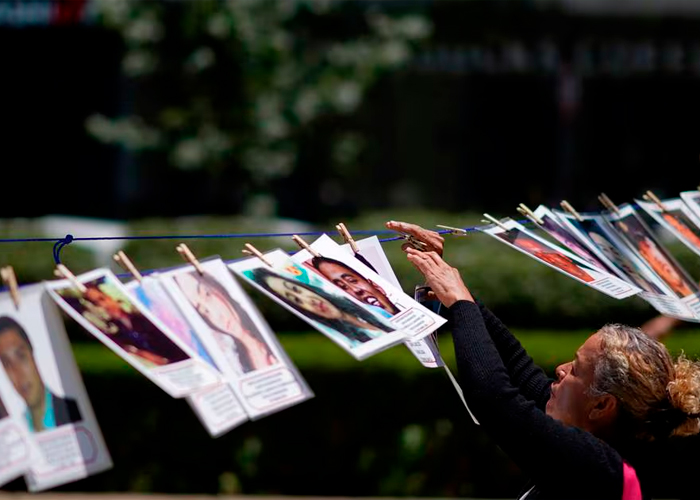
(443,279)
(432,239)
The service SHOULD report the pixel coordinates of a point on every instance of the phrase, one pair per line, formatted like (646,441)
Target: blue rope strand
(69,238)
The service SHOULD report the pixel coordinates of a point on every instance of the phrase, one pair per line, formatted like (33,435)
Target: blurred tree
(228,88)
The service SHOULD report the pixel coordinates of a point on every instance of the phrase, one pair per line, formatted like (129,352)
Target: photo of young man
(45,410)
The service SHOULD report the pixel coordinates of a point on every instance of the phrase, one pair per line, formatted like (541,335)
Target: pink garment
(630,483)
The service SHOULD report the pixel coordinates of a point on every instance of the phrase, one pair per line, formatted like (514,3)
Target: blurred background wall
(318,109)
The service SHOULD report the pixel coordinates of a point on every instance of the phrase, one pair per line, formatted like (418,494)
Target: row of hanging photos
(42,475)
(615,267)
(411,323)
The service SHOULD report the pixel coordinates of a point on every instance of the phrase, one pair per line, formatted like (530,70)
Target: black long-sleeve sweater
(507,393)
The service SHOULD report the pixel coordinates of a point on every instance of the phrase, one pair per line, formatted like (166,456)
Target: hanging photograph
(611,249)
(16,448)
(517,236)
(356,326)
(677,218)
(351,276)
(552,225)
(641,240)
(107,311)
(237,337)
(425,350)
(217,407)
(692,199)
(41,384)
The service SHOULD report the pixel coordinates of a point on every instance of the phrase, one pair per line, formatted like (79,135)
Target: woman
(131,330)
(610,426)
(337,313)
(233,329)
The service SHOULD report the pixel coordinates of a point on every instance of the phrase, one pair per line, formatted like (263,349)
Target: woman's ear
(604,408)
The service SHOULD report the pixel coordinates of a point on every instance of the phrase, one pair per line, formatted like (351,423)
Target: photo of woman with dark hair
(3,410)
(340,314)
(233,329)
(112,313)
(550,256)
(656,256)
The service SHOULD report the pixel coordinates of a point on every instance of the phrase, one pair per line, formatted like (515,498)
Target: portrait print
(356,326)
(107,311)
(152,295)
(112,312)
(347,279)
(230,324)
(678,219)
(349,275)
(551,226)
(45,409)
(532,246)
(692,201)
(43,392)
(240,341)
(517,236)
(640,238)
(626,265)
(426,349)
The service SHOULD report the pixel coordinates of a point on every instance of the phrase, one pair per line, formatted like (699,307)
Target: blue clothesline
(60,243)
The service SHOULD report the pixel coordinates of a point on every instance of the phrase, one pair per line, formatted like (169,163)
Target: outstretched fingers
(432,239)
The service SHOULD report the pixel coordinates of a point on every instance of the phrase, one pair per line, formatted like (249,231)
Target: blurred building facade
(507,102)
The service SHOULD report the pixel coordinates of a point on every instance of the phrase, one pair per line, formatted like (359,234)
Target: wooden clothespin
(414,242)
(300,241)
(495,221)
(124,261)
(251,250)
(10,279)
(454,230)
(187,254)
(63,272)
(347,237)
(607,202)
(523,209)
(650,196)
(569,208)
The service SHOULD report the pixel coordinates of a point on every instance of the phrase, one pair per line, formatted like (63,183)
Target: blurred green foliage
(312,351)
(233,85)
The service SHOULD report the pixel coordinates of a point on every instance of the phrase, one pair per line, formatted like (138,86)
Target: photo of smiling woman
(337,313)
(233,329)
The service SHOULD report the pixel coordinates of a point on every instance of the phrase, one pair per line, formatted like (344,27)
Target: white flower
(138,62)
(114,12)
(394,53)
(347,96)
(200,59)
(143,29)
(307,105)
(219,26)
(189,154)
(265,164)
(415,27)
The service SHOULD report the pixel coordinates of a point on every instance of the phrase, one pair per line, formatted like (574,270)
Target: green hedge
(382,427)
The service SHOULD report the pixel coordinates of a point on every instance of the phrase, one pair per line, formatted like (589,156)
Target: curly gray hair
(658,398)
